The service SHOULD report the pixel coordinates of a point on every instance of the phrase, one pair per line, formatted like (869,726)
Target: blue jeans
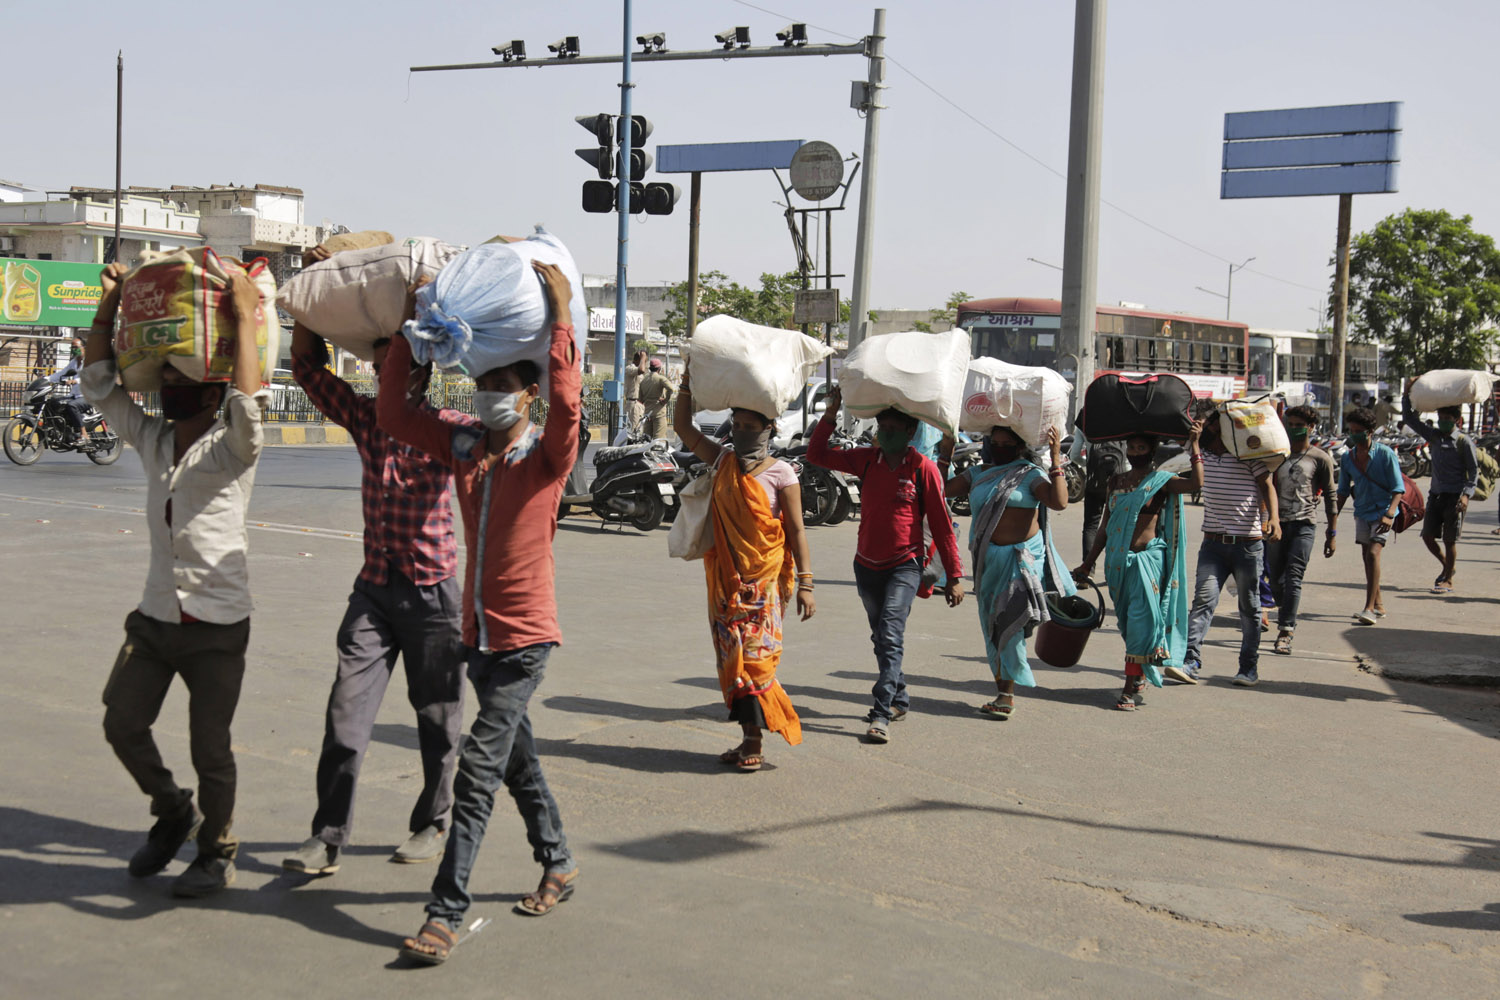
(1217,561)
(499,748)
(1286,561)
(887,595)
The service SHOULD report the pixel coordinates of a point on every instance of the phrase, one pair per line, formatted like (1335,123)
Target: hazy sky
(317,95)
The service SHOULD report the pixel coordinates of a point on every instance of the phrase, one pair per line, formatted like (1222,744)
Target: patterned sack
(173,311)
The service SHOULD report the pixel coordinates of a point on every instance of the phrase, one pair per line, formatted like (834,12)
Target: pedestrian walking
(1301,481)
(655,394)
(1010,546)
(1370,473)
(405,603)
(634,372)
(1102,460)
(1455,473)
(1144,545)
(899,491)
(194,617)
(1239,514)
(759,558)
(509,478)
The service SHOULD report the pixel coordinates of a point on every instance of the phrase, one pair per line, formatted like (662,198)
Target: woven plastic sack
(488,308)
(1027,400)
(760,368)
(1451,387)
(173,311)
(358,296)
(1252,429)
(920,374)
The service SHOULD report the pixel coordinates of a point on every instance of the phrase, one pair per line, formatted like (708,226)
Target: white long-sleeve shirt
(195,508)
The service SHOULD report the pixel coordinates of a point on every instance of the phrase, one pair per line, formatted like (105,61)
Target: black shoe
(166,837)
(205,876)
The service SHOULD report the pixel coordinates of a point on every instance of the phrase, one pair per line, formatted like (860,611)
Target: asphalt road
(1330,833)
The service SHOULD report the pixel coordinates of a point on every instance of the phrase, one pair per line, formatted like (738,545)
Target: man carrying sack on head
(194,618)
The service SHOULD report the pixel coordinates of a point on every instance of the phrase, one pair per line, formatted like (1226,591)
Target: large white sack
(1252,429)
(920,374)
(1451,387)
(1027,400)
(357,297)
(760,368)
(488,308)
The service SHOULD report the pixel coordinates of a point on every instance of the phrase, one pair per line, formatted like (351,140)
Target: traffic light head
(601,158)
(601,127)
(658,198)
(598,196)
(640,131)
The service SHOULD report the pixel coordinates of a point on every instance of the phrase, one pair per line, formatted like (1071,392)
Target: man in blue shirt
(1455,472)
(1371,473)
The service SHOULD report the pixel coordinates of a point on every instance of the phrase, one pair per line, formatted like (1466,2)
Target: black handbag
(1120,406)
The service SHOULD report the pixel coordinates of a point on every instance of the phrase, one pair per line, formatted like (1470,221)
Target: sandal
(1130,697)
(738,758)
(432,945)
(998,709)
(1284,644)
(555,888)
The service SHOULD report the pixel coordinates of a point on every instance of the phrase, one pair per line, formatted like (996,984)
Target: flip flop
(997,709)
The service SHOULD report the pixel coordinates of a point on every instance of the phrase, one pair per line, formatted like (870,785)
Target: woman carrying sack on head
(1015,562)
(1145,563)
(759,556)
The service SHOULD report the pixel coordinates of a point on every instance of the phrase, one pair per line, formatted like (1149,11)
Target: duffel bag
(1117,406)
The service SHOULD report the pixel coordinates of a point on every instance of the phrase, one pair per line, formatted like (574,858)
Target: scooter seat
(608,456)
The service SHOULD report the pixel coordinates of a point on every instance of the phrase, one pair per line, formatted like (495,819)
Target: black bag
(1105,458)
(1119,406)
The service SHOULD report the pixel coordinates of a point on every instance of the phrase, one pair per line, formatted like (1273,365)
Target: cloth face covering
(1140,461)
(1357,438)
(751,447)
(1296,433)
(181,402)
(995,454)
(1446,426)
(892,442)
(496,410)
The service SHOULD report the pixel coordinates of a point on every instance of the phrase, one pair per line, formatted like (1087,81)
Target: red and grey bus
(1211,355)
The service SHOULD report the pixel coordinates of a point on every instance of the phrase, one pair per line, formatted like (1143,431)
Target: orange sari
(751,575)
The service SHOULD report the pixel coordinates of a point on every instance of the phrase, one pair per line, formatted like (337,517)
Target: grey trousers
(210,659)
(422,625)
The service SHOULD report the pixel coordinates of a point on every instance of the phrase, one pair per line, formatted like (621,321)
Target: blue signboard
(1347,149)
(713,157)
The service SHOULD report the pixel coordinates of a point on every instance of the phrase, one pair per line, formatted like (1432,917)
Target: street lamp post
(1227,294)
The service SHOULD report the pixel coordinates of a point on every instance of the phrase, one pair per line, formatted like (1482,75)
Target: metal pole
(1229,293)
(802,265)
(828,283)
(114,253)
(695,204)
(859,293)
(1340,317)
(1081,225)
(622,250)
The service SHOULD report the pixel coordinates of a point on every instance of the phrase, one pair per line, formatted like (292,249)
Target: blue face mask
(496,410)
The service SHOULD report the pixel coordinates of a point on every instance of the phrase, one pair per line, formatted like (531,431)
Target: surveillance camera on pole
(732,37)
(514,52)
(652,41)
(793,34)
(565,47)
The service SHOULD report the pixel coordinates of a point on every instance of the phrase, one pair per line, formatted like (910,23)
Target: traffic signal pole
(859,292)
(1081,219)
(622,250)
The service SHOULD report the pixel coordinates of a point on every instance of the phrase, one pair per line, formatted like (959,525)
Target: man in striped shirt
(1235,495)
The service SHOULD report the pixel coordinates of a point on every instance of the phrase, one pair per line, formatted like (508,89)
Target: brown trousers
(211,661)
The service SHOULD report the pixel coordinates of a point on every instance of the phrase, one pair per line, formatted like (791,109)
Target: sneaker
(204,877)
(167,836)
(1284,643)
(424,845)
(897,714)
(1185,674)
(313,858)
(1366,617)
(878,732)
(1247,679)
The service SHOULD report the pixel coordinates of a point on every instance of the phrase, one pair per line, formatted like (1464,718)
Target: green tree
(770,305)
(947,314)
(1426,285)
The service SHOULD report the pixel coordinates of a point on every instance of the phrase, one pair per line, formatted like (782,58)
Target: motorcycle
(828,496)
(633,483)
(966,454)
(42,424)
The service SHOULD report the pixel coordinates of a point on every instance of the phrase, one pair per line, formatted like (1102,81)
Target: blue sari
(1149,587)
(1008,578)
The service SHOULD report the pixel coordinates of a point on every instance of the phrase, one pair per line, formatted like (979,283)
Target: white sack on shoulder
(1451,387)
(920,374)
(1028,400)
(760,368)
(488,308)
(357,297)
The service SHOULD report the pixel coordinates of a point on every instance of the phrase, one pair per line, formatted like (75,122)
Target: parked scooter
(633,484)
(828,496)
(966,454)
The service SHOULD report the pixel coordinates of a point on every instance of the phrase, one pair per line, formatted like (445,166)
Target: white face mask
(496,410)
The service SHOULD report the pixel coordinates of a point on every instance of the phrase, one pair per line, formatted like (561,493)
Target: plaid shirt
(405,493)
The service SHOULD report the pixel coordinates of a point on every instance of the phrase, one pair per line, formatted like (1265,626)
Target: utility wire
(1036,159)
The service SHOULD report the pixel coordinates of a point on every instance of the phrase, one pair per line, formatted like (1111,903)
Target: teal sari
(1149,588)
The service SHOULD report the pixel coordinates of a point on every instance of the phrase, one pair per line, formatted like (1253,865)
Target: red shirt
(405,494)
(510,509)
(893,501)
